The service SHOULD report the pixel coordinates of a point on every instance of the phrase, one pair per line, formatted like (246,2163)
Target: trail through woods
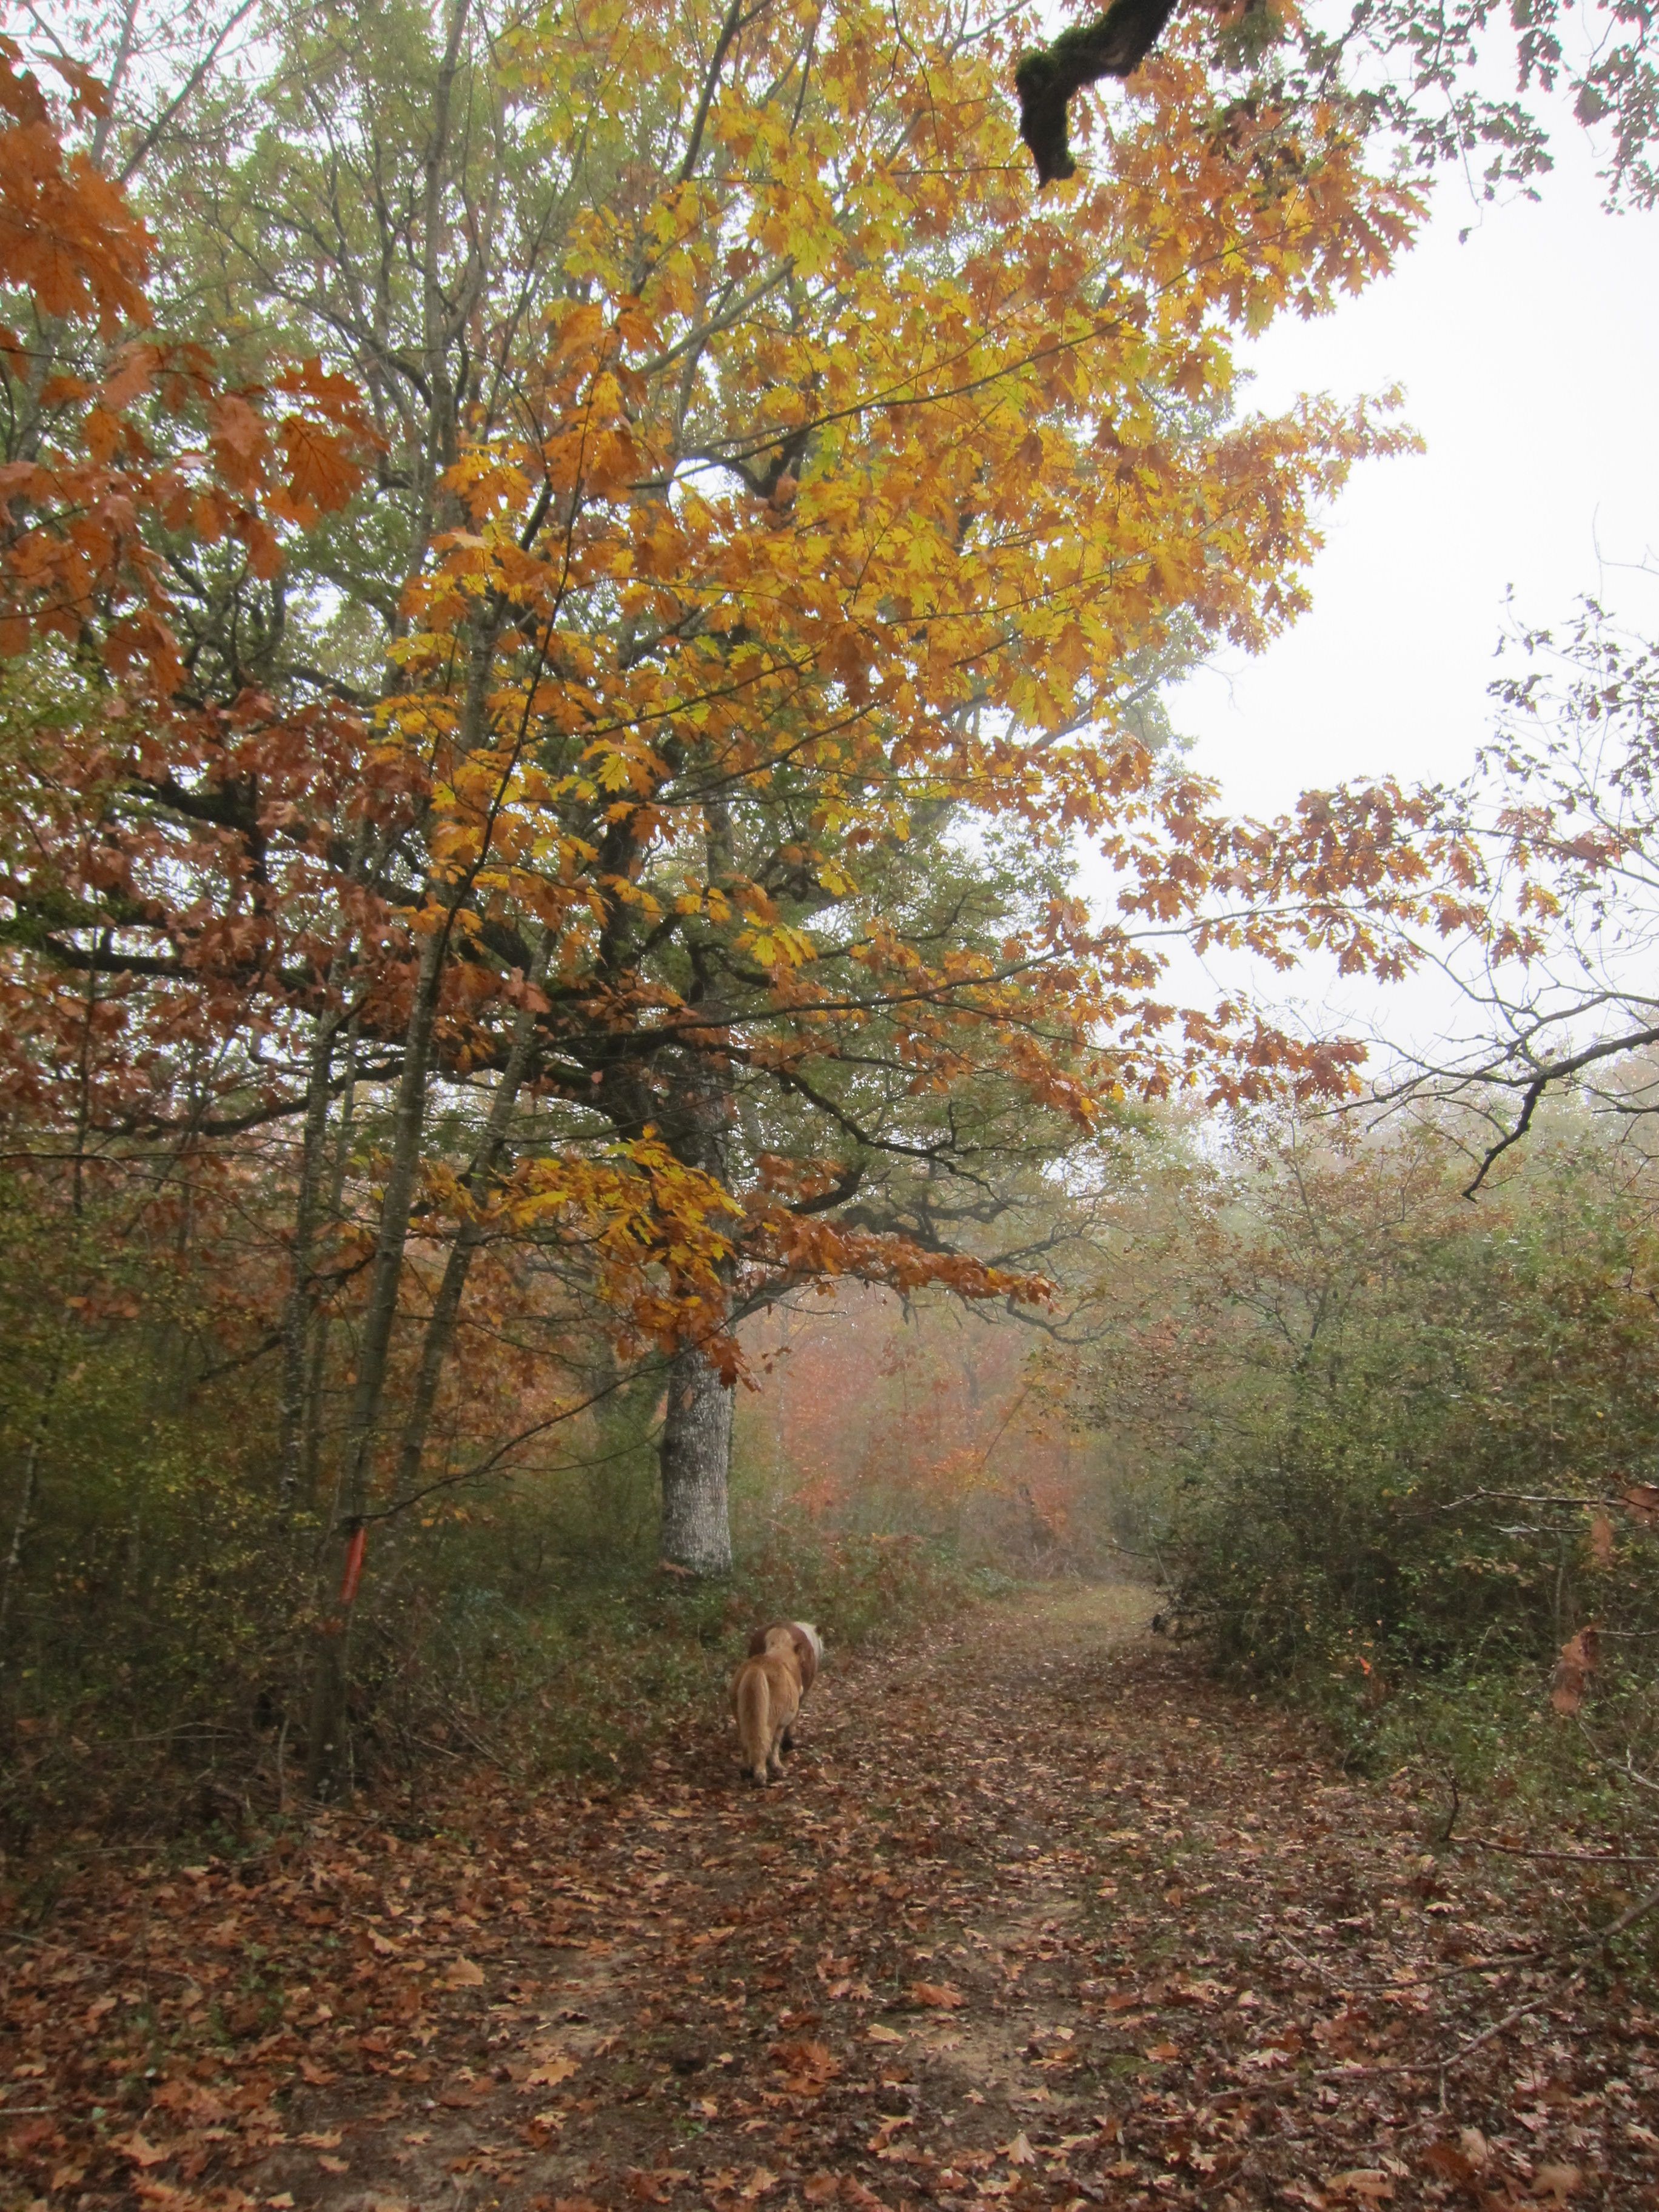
(1040,1917)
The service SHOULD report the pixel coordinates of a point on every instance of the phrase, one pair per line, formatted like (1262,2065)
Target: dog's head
(803,1637)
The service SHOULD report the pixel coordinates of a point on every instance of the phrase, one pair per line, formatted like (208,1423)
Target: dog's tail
(751,1701)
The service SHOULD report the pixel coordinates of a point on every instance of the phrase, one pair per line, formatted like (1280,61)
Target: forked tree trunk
(296,1412)
(292,1409)
(468,1234)
(696,1455)
(321,1325)
(326,1748)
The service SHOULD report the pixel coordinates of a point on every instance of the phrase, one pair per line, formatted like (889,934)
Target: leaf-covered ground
(1040,1917)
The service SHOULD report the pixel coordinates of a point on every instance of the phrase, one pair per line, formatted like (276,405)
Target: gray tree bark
(696,1436)
(696,1455)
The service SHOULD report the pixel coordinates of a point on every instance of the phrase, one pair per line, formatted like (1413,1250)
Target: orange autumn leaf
(322,469)
(940,1995)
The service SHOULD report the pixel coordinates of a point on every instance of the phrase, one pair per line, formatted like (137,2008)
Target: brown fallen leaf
(1369,2184)
(551,2072)
(1474,2147)
(1454,2165)
(333,2165)
(465,1974)
(1557,2181)
(878,2033)
(1019,2151)
(943,1996)
(1642,1499)
(760,2180)
(822,2187)
(139,2149)
(1600,1541)
(808,2068)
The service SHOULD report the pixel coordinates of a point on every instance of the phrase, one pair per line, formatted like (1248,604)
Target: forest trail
(1040,1917)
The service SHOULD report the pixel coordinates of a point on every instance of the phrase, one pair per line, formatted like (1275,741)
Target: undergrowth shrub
(531,1630)
(161,1585)
(1392,1454)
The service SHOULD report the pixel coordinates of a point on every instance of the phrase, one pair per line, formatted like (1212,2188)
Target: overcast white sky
(1530,357)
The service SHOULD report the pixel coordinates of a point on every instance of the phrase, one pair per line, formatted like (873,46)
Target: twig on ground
(1564,1858)
(1445,2066)
(1519,2012)
(1629,1919)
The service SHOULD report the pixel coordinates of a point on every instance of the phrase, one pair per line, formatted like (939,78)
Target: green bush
(1385,1439)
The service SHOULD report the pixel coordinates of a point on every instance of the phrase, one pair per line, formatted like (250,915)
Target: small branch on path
(1545,1998)
(1564,1858)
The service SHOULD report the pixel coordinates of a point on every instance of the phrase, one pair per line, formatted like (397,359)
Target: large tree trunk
(697,1120)
(696,1454)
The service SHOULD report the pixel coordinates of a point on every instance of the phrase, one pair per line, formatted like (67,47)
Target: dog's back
(766,1695)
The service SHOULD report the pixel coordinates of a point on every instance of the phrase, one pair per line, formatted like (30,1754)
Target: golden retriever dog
(765,1700)
(809,1650)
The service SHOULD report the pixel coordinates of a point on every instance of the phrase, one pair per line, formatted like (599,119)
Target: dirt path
(1038,1915)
